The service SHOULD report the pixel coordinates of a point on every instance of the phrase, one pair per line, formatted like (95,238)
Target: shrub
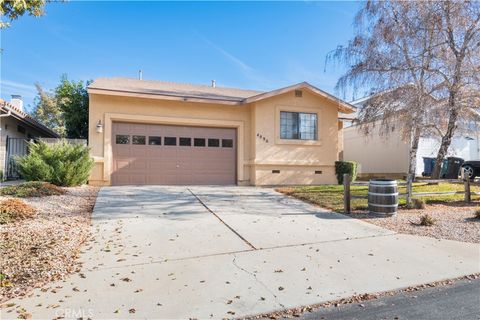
(32,189)
(1,175)
(477,214)
(62,164)
(427,220)
(15,209)
(417,204)
(349,167)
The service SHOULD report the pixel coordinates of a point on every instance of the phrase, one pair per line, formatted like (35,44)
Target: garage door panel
(180,164)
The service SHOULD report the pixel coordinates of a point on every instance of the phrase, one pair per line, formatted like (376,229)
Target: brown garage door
(172,155)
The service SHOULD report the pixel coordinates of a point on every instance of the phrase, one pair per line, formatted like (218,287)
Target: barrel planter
(383,196)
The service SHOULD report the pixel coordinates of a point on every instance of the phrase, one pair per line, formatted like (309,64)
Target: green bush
(61,164)
(349,167)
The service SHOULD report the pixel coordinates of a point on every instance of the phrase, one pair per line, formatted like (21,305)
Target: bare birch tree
(456,64)
(389,54)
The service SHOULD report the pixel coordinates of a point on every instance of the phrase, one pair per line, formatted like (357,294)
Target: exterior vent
(275,171)
(318,171)
(298,93)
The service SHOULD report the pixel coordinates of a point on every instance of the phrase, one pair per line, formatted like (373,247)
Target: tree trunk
(412,166)
(446,140)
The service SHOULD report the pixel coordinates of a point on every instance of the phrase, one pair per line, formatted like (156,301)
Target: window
(214,142)
(170,141)
(155,141)
(138,139)
(227,143)
(298,125)
(185,141)
(199,142)
(122,139)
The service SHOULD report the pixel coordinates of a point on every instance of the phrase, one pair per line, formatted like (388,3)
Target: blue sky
(254,45)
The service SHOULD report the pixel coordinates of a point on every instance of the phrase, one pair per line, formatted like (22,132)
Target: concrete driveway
(214,252)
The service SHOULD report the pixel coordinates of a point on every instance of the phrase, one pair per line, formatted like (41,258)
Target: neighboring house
(154,132)
(381,155)
(16,127)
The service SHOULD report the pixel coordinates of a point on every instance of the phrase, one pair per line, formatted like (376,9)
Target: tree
(48,112)
(72,99)
(12,9)
(457,65)
(388,55)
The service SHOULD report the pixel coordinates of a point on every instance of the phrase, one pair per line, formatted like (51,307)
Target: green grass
(31,189)
(331,196)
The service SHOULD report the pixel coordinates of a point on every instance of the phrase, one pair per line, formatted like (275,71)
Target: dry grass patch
(12,210)
(32,189)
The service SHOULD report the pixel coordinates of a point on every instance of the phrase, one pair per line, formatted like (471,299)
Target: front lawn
(452,218)
(331,196)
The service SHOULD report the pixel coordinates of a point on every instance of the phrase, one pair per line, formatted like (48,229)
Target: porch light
(99,126)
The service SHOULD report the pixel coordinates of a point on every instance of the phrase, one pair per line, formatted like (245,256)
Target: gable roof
(24,117)
(200,93)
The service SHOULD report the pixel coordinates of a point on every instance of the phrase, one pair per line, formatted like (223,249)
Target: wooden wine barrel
(383,196)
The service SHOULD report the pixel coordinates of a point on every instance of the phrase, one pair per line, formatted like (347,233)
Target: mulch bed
(36,251)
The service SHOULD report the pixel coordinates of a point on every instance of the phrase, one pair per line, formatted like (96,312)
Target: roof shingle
(172,89)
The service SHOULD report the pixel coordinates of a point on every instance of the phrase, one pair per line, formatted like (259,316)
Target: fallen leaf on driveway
(126,279)
(280,288)
(132,310)
(278,270)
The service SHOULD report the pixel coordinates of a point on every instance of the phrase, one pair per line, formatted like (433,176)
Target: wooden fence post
(466,184)
(346,192)
(409,190)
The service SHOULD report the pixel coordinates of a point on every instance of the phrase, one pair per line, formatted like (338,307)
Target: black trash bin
(453,168)
(428,164)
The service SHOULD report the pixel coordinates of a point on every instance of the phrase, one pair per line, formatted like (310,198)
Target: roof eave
(135,94)
(29,121)
(341,105)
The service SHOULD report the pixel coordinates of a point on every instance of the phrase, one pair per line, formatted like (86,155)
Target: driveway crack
(234,262)
(216,216)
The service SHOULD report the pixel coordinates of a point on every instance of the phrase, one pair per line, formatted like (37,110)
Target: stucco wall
(376,154)
(299,162)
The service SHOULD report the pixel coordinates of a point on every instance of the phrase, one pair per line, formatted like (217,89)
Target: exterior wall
(297,160)
(8,128)
(108,109)
(377,155)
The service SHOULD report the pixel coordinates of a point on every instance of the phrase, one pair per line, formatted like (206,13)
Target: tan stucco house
(154,132)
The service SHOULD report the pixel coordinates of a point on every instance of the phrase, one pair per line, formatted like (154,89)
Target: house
(154,132)
(387,155)
(16,128)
